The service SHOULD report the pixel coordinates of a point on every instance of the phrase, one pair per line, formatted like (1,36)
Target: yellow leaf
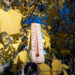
(14,67)
(16,44)
(1,52)
(47,40)
(24,24)
(65,72)
(20,58)
(56,66)
(43,41)
(65,66)
(7,51)
(65,52)
(16,60)
(45,69)
(5,21)
(29,40)
(45,33)
(23,56)
(42,26)
(1,46)
(39,15)
(17,10)
(48,27)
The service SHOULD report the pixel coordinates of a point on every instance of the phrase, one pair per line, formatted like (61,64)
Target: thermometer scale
(37,52)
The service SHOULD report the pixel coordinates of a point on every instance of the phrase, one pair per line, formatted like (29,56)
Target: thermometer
(37,53)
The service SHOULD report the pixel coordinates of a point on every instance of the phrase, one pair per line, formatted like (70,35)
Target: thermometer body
(37,52)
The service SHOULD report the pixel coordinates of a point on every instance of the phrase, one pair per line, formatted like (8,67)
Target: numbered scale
(37,52)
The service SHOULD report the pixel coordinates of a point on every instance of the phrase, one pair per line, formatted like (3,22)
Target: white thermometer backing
(37,51)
